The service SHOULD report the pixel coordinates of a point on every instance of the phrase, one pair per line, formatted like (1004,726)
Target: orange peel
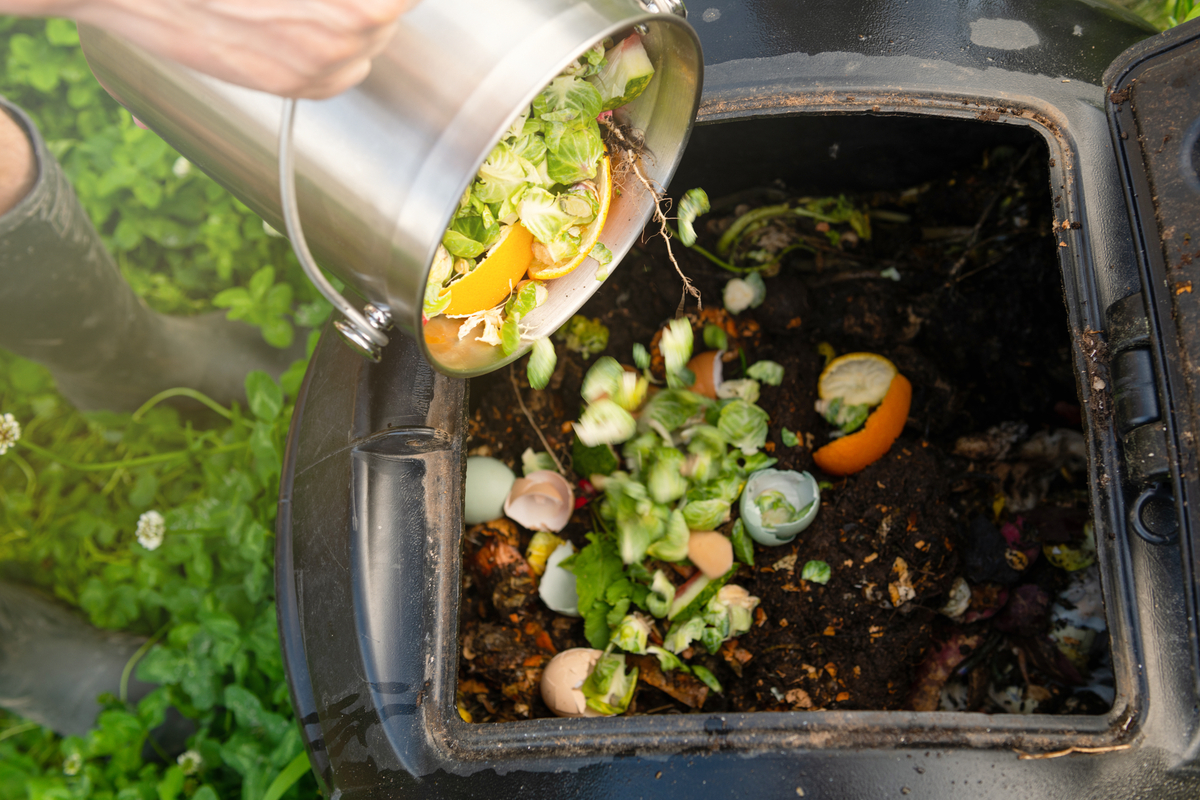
(542,271)
(857,378)
(494,278)
(853,453)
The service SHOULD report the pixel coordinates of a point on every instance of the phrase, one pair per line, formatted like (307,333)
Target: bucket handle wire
(363,330)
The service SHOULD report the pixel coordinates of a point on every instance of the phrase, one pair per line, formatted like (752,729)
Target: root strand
(629,156)
(512,375)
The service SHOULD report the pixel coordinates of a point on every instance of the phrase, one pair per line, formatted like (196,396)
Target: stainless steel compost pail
(380,169)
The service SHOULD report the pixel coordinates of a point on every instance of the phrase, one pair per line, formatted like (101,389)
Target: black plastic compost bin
(828,96)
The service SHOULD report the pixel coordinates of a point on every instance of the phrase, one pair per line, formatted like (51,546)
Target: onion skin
(504,575)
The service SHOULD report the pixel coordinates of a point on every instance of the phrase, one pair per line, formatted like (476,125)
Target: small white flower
(150,529)
(72,764)
(190,762)
(181,167)
(10,432)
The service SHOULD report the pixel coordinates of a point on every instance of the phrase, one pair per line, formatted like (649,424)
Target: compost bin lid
(1153,105)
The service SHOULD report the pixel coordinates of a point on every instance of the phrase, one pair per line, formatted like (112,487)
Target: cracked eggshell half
(799,488)
(541,501)
(563,678)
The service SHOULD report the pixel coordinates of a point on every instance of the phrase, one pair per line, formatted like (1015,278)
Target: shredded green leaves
(541,363)
(816,571)
(693,204)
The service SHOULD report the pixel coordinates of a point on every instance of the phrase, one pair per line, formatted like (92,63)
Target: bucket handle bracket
(362,330)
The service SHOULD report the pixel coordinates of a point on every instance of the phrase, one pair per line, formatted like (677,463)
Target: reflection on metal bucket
(380,169)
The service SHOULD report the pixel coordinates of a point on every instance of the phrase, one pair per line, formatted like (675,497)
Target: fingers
(320,47)
(347,72)
(339,81)
(295,48)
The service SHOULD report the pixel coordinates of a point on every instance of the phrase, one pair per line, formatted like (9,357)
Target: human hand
(294,48)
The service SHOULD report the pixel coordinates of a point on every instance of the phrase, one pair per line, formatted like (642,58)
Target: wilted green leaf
(707,678)
(541,363)
(743,547)
(816,571)
(768,372)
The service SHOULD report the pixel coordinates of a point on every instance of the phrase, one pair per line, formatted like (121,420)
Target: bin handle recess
(1151,532)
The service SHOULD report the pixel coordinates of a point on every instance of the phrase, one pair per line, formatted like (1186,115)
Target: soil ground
(973,315)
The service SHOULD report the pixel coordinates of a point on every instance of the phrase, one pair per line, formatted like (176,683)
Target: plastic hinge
(1128,326)
(1146,453)
(1137,412)
(1135,390)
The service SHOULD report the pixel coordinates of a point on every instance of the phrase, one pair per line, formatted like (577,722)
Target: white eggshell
(541,501)
(800,489)
(488,483)
(557,586)
(563,678)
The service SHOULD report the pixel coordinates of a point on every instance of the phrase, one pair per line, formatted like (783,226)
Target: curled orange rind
(852,453)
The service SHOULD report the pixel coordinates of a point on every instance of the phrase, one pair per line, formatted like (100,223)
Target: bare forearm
(300,48)
(38,8)
(18,167)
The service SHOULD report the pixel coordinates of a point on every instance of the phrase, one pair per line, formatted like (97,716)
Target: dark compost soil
(976,321)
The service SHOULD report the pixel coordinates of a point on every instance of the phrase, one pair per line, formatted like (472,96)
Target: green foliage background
(72,491)
(1162,14)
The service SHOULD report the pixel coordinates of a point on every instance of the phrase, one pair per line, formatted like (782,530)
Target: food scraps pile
(770,524)
(539,203)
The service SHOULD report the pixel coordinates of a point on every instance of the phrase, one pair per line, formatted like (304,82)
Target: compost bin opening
(956,280)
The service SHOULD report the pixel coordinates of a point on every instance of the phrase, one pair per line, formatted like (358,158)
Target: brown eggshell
(707,369)
(562,679)
(711,552)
